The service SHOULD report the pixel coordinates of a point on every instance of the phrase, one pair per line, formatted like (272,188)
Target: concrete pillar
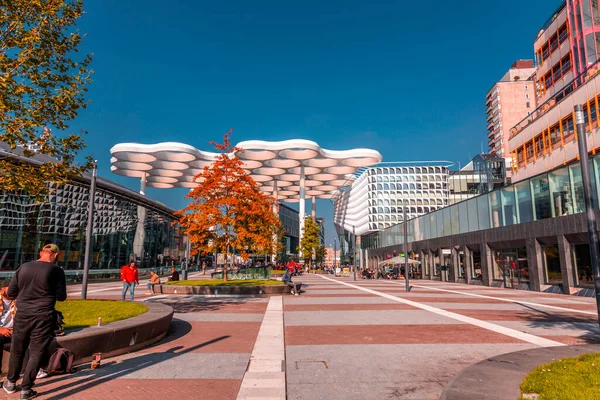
(314,208)
(536,264)
(566,264)
(302,208)
(468,264)
(431,264)
(487,263)
(454,266)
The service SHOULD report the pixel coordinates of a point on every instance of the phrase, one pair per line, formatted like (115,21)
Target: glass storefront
(553,273)
(510,266)
(583,265)
(476,272)
(126,227)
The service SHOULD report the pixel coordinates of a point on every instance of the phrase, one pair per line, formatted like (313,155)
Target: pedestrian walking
(129,276)
(36,286)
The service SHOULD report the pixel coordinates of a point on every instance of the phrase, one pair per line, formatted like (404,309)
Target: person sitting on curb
(287,279)
(174,275)
(154,280)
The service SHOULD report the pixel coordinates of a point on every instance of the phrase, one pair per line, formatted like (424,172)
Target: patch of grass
(218,282)
(277,272)
(566,379)
(83,313)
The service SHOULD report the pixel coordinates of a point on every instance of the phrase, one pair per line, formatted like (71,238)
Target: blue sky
(408,80)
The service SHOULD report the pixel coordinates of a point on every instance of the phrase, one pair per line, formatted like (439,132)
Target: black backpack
(61,362)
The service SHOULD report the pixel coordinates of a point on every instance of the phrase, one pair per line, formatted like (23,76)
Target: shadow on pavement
(89,378)
(577,322)
(204,304)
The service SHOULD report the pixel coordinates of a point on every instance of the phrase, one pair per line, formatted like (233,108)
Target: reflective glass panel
(509,211)
(560,193)
(541,197)
(524,206)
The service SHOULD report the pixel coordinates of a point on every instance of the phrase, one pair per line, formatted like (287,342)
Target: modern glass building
(531,234)
(127,226)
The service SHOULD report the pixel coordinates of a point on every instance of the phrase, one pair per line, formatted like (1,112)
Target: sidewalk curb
(499,378)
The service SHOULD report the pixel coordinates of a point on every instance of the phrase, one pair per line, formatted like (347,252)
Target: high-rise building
(567,49)
(508,102)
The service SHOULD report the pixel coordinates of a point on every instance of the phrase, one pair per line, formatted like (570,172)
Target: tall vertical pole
(276,212)
(587,195)
(313,209)
(89,231)
(302,208)
(405,247)
(354,250)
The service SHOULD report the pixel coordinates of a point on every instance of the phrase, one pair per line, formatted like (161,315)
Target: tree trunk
(225,267)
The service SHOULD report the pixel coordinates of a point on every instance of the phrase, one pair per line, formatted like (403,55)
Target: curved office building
(127,226)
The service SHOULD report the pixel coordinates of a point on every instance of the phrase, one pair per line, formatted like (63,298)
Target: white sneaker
(41,374)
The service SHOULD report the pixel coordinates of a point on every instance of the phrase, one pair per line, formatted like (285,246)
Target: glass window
(541,197)
(583,265)
(566,65)
(567,126)
(476,265)
(483,211)
(472,215)
(507,196)
(587,14)
(454,218)
(577,189)
(524,206)
(560,190)
(590,47)
(552,265)
(496,209)
(498,266)
(463,217)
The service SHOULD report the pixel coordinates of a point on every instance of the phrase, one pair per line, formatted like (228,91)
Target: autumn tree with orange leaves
(227,210)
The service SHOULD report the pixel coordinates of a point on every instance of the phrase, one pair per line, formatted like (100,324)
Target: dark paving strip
(142,389)
(527,316)
(392,334)
(234,337)
(217,306)
(346,307)
(575,340)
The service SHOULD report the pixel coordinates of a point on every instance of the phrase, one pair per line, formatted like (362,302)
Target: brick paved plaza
(343,340)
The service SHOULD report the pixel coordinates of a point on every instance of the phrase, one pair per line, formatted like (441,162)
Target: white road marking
(507,300)
(526,337)
(265,375)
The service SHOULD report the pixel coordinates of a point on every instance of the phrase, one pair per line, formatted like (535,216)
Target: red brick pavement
(392,334)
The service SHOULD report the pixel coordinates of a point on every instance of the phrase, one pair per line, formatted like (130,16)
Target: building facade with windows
(507,103)
(567,49)
(376,199)
(529,235)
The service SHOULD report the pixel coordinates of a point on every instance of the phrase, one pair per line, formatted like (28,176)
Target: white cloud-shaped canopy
(171,164)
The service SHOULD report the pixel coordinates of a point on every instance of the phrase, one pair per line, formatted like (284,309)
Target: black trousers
(33,332)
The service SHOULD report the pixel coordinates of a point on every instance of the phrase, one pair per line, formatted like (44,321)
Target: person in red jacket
(129,276)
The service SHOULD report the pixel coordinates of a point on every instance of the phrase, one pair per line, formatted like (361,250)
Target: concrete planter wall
(113,339)
(226,290)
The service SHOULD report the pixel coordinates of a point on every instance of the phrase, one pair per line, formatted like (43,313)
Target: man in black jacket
(36,285)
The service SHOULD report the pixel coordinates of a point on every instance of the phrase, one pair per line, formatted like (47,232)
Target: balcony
(550,104)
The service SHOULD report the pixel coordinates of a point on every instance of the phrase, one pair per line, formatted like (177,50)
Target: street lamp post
(354,252)
(405,247)
(334,252)
(89,231)
(587,196)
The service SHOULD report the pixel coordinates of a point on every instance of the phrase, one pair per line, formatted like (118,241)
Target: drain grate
(311,362)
